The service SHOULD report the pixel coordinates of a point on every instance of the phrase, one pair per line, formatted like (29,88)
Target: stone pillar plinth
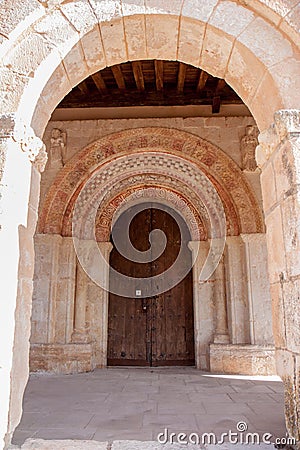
(221,333)
(278,155)
(237,291)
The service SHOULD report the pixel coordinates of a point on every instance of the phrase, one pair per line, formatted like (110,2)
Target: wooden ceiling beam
(202,80)
(159,74)
(83,87)
(118,75)
(216,104)
(220,85)
(181,77)
(100,83)
(138,75)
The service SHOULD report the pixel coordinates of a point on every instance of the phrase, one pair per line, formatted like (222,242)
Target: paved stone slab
(40,444)
(123,404)
(137,445)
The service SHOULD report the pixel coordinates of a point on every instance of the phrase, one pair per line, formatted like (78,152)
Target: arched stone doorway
(274,54)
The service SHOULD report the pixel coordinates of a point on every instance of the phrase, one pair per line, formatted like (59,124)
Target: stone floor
(138,403)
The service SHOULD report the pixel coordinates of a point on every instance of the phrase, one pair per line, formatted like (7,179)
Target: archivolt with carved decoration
(233,188)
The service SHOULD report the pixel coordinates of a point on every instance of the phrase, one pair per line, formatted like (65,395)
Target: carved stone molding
(162,195)
(229,181)
(286,126)
(24,136)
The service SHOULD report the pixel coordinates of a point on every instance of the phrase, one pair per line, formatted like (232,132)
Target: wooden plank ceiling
(151,83)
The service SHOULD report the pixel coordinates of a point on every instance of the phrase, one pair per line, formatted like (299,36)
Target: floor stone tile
(63,433)
(138,403)
(21,435)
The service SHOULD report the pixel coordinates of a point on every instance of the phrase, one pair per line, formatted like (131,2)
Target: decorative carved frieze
(226,176)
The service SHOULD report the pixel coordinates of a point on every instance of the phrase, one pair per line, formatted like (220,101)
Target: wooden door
(158,330)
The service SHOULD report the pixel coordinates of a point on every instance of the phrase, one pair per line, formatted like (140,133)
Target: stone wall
(278,156)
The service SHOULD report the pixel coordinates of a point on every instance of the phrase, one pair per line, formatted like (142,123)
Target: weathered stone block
(13,18)
(244,72)
(278,316)
(75,65)
(66,444)
(93,50)
(242,359)
(56,29)
(113,37)
(198,10)
(275,243)
(269,192)
(81,15)
(216,51)
(259,36)
(135,34)
(286,77)
(61,358)
(231,18)
(162,36)
(166,7)
(191,35)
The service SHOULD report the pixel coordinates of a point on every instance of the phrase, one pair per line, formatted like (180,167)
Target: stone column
(80,333)
(22,158)
(258,287)
(67,286)
(105,248)
(203,305)
(278,157)
(237,295)
(221,333)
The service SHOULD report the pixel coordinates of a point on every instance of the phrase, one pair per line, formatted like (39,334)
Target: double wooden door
(157,330)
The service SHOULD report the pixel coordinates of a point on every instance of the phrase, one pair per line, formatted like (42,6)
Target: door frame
(204,291)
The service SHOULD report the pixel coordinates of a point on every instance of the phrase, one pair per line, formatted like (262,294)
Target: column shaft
(221,333)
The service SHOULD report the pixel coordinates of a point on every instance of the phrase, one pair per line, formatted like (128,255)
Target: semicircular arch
(239,202)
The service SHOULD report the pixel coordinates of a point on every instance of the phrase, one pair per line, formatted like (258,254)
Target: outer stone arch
(36,40)
(76,39)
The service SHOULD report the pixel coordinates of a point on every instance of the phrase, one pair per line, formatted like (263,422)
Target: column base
(221,339)
(80,337)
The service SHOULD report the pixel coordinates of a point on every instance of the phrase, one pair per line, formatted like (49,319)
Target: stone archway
(258,56)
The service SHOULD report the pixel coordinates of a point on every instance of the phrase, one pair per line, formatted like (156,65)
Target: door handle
(144,304)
